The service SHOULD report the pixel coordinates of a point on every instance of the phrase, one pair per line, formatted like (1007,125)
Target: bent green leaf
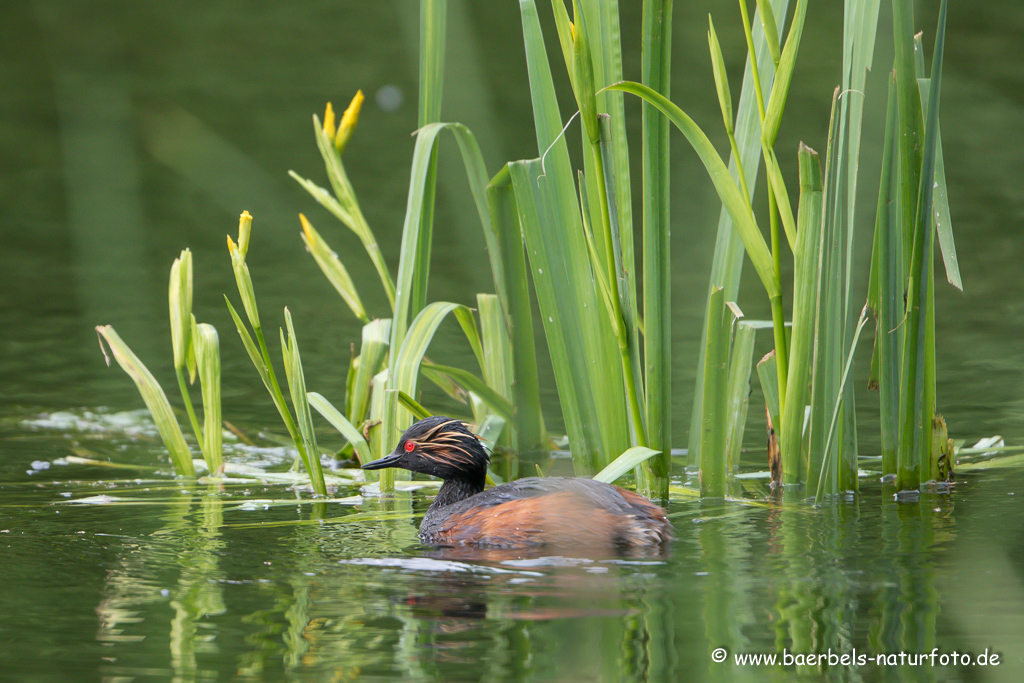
(154,397)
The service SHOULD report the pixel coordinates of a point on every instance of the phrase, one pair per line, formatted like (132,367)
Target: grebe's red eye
(410,446)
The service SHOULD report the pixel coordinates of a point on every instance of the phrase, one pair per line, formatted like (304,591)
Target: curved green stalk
(728,191)
(183,386)
(278,395)
(754,71)
(632,394)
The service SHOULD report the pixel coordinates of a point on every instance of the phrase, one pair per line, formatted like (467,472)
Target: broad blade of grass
(565,30)
(515,298)
(406,362)
(297,387)
(738,393)
(208,361)
(497,348)
(471,382)
(413,406)
(721,77)
(494,339)
(490,430)
(347,429)
(624,319)
(333,269)
(805,285)
(371,356)
(380,441)
(390,430)
(433,34)
(778,186)
(414,263)
(412,266)
(738,207)
(771,33)
(887,282)
(606,57)
(940,203)
(655,55)
(780,87)
(837,406)
(829,319)
(944,221)
(713,434)
(633,457)
(860,26)
(574,318)
(155,400)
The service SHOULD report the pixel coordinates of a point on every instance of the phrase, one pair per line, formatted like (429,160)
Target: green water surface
(130,130)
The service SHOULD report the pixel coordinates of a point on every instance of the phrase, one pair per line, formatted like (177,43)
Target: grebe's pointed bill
(391,460)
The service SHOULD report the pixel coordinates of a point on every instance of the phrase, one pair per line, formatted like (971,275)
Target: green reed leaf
(738,393)
(771,33)
(154,397)
(784,76)
(372,353)
(627,461)
(297,388)
(413,406)
(207,353)
(713,428)
(721,77)
(514,295)
(339,422)
(738,207)
(805,288)
(471,382)
(180,296)
(333,269)
(656,62)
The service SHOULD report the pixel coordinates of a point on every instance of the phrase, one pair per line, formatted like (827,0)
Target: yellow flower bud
(329,121)
(306,227)
(244,230)
(348,122)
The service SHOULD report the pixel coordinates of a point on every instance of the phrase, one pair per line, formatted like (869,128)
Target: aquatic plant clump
(606,310)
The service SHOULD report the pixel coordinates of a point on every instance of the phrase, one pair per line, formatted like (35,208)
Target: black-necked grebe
(526,513)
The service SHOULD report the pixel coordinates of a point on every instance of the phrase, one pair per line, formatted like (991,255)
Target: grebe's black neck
(459,488)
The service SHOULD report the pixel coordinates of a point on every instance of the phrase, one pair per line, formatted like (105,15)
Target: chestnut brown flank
(556,519)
